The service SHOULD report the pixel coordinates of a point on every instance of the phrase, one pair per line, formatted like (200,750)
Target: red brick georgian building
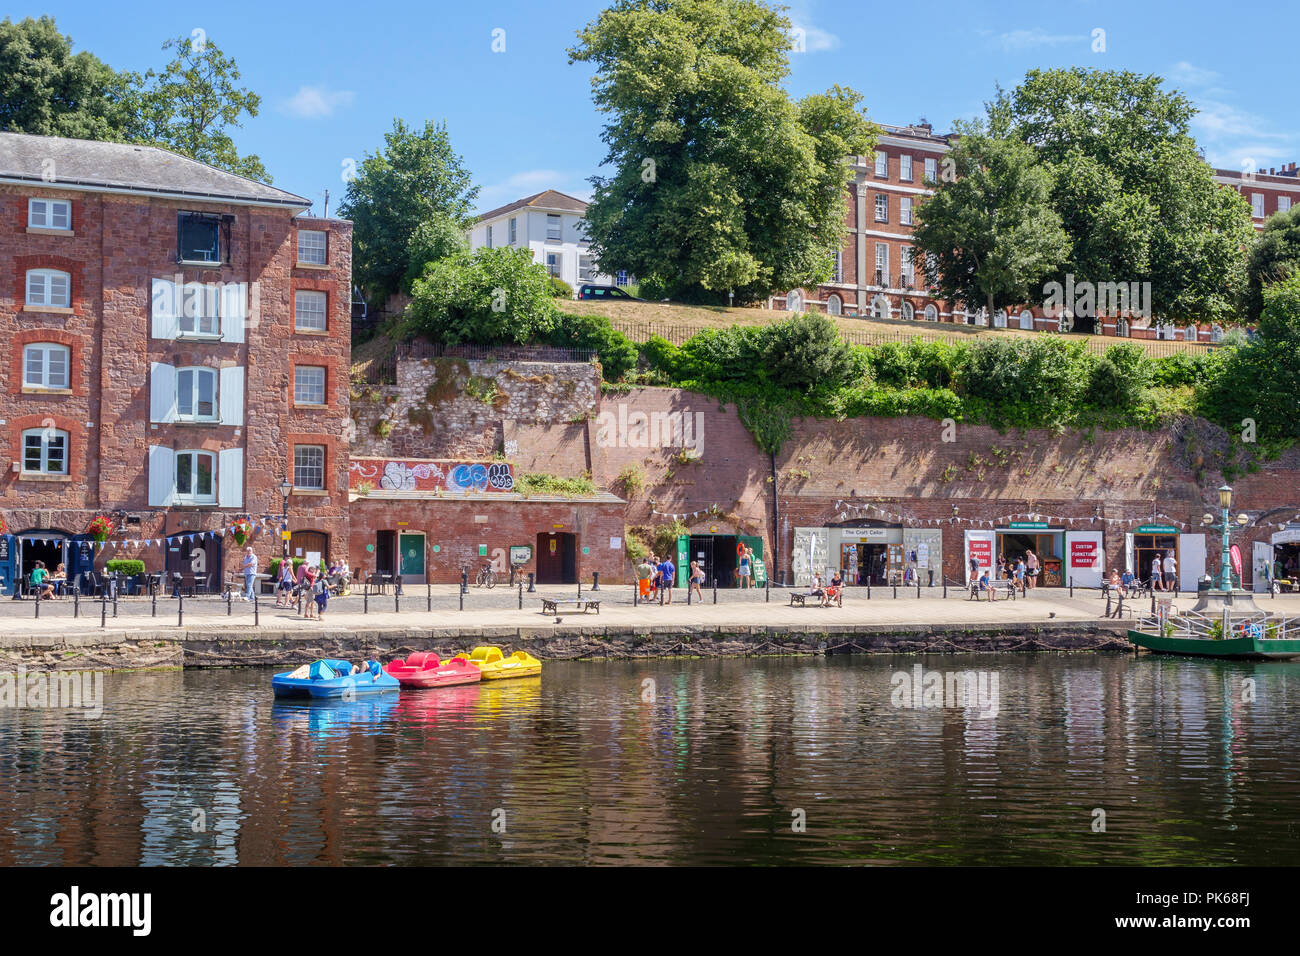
(178,343)
(874,274)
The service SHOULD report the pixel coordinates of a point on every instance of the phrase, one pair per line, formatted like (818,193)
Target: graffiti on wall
(453,477)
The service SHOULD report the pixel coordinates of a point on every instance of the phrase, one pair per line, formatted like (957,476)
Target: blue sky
(333,75)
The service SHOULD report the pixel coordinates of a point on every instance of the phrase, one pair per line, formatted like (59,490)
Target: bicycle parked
(486,578)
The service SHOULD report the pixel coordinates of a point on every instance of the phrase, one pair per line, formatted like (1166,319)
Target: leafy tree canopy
(47,90)
(721,182)
(1135,198)
(1274,257)
(487,296)
(991,236)
(410,205)
(192,104)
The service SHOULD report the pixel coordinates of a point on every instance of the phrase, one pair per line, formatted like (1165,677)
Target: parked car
(589,291)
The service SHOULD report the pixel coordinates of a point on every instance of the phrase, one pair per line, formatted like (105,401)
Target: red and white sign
(982,551)
(1083,554)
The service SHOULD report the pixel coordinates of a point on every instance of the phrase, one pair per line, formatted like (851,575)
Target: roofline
(488,215)
(77,185)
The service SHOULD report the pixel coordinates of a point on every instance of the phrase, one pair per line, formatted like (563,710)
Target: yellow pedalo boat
(496,666)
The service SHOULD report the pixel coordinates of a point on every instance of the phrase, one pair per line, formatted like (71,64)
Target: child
(321,596)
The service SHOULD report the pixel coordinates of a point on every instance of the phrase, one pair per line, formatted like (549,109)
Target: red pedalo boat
(426,670)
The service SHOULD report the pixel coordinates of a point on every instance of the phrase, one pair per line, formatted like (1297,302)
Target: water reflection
(1193,761)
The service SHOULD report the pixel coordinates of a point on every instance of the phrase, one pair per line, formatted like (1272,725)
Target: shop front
(1020,537)
(869,555)
(1144,543)
(719,558)
(1053,546)
(1279,556)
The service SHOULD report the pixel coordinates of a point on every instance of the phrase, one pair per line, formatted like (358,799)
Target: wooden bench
(1002,584)
(800,598)
(584,605)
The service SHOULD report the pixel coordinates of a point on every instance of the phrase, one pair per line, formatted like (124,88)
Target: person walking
(1171,571)
(320,592)
(644,572)
(974,568)
(667,578)
(1031,568)
(696,581)
(1156,567)
(744,566)
(284,587)
(249,568)
(309,591)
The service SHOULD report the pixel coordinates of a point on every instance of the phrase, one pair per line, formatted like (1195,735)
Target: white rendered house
(550,225)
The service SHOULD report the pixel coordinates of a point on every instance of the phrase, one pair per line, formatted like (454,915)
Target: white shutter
(230,478)
(165,309)
(1191,561)
(162,476)
(231,395)
(234,311)
(1085,565)
(162,392)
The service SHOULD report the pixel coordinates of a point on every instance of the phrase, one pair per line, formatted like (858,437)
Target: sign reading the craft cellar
(453,477)
(1029,525)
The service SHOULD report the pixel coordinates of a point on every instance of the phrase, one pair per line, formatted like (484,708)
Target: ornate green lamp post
(1225,526)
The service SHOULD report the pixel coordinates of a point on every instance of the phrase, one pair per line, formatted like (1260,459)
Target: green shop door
(683,560)
(410,550)
(760,566)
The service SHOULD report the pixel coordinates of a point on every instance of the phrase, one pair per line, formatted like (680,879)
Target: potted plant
(241,530)
(100,528)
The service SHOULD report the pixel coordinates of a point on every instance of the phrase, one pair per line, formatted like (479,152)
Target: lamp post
(1225,527)
(285,488)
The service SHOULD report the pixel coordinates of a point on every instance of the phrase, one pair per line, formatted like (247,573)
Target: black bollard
(868,589)
(595,580)
(180,608)
(229,601)
(1071,585)
(531,589)
(661,596)
(918,586)
(256,616)
(38,603)
(931,572)
(715,589)
(521,594)
(365,598)
(579,587)
(767,590)
(76,601)
(689,588)
(461,595)
(636,594)
(464,581)
(428,595)
(945,587)
(1107,614)
(895,592)
(115,597)
(397,597)
(103,609)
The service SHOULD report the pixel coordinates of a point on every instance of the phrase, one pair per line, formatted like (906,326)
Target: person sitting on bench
(834,592)
(986,585)
(815,587)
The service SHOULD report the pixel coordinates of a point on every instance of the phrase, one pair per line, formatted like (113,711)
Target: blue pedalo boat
(333,678)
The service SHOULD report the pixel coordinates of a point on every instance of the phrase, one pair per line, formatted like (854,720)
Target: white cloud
(1186,74)
(1027,39)
(313,102)
(1236,139)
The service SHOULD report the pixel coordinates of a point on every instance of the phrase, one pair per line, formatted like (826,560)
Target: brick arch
(76,437)
(73,267)
(25,337)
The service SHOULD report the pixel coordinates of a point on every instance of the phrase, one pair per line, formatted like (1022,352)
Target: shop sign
(982,551)
(1156,529)
(1083,554)
(864,534)
(521,553)
(1029,525)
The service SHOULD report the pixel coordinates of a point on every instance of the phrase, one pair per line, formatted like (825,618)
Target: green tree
(990,236)
(1134,196)
(47,90)
(487,296)
(1274,256)
(721,182)
(409,204)
(192,104)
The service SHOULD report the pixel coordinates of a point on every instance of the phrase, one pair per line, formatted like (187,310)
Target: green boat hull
(1242,647)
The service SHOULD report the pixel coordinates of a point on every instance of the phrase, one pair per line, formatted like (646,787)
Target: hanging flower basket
(241,531)
(100,528)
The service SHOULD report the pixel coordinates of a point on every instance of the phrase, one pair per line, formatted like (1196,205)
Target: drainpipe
(776,521)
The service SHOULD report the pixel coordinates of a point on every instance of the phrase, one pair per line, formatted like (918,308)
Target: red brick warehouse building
(178,344)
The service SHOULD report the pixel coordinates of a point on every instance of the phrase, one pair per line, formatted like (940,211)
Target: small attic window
(202,238)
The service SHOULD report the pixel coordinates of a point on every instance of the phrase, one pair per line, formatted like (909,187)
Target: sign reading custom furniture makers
(452,477)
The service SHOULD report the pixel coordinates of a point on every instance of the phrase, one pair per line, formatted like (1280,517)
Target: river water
(1076,759)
